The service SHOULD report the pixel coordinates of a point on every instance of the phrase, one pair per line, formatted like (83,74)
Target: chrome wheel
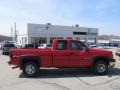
(30,69)
(101,68)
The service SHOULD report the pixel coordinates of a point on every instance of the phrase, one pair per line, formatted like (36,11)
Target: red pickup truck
(64,53)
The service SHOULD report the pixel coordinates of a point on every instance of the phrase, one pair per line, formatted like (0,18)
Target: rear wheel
(100,68)
(31,69)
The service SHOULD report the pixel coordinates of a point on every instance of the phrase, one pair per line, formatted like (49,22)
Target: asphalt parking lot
(58,79)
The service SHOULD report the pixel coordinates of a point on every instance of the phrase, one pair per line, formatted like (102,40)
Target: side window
(77,46)
(61,45)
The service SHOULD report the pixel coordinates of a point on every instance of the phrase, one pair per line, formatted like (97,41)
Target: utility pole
(47,35)
(88,35)
(15,33)
(47,27)
(12,33)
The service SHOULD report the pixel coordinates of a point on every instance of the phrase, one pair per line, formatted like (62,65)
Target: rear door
(61,56)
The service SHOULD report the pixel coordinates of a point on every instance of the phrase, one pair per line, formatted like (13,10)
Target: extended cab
(64,53)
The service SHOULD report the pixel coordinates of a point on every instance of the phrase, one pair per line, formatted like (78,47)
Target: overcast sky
(102,14)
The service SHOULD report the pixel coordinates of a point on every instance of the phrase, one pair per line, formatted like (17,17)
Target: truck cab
(64,53)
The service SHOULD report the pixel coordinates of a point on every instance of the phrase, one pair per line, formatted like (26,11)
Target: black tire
(100,68)
(3,53)
(30,69)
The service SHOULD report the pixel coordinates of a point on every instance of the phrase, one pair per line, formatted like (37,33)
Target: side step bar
(15,67)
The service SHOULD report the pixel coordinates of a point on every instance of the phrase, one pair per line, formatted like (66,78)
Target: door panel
(61,58)
(80,58)
(79,55)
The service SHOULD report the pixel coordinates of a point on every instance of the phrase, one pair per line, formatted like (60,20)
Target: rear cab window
(61,45)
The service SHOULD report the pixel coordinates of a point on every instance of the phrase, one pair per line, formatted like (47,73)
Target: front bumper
(112,63)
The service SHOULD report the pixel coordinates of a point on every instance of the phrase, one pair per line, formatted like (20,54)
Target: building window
(79,33)
(25,40)
(69,38)
(51,39)
(38,40)
(92,33)
(22,40)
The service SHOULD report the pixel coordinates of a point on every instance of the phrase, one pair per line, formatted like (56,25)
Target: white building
(42,33)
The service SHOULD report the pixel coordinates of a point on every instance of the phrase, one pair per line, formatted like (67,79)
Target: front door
(79,55)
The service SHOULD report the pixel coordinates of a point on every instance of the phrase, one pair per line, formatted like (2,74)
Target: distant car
(117,53)
(18,46)
(6,48)
(96,46)
(43,46)
(28,46)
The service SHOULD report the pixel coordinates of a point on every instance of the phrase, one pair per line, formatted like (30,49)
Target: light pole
(47,38)
(11,33)
(15,32)
(88,33)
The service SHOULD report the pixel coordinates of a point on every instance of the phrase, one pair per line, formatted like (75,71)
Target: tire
(30,69)
(3,53)
(100,68)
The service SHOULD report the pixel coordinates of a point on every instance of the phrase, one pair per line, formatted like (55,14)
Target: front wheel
(30,69)
(100,68)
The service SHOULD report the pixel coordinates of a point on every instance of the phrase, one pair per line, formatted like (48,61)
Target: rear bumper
(112,63)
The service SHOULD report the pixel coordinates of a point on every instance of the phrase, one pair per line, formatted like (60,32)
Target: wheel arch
(100,58)
(29,58)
